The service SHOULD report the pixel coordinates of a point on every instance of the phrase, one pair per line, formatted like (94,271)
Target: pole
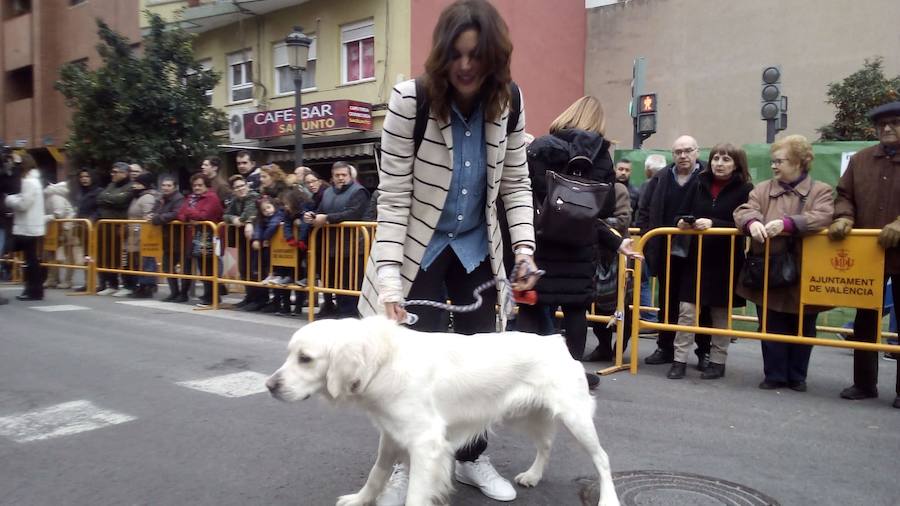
(298,123)
(637,89)
(770,131)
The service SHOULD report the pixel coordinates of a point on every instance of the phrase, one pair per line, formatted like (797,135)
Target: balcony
(17,42)
(201,16)
(18,122)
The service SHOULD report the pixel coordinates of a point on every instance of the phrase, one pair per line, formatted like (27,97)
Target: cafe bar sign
(316,117)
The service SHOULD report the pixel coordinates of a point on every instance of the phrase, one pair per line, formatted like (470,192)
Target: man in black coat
(659,205)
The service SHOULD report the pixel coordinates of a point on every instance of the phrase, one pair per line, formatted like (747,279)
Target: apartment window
(358,52)
(284,76)
(13,8)
(240,75)
(20,84)
(76,2)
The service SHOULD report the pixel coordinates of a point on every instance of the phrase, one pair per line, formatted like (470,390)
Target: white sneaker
(394,493)
(482,474)
(107,291)
(64,286)
(270,279)
(284,280)
(125,292)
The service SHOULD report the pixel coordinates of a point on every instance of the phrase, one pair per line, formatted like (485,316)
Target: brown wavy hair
(494,52)
(741,167)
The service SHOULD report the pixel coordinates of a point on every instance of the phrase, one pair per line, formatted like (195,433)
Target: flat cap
(885,110)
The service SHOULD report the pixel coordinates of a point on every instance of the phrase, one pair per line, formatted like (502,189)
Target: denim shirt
(462,224)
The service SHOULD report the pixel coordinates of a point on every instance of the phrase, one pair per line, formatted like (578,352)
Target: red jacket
(206,207)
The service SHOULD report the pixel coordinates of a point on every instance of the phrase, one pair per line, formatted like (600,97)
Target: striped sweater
(413,188)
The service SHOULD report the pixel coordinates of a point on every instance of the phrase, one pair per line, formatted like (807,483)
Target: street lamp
(298,54)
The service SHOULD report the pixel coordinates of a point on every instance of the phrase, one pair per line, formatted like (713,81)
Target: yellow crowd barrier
(337,256)
(736,241)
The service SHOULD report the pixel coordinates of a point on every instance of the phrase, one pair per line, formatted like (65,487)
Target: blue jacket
(266,227)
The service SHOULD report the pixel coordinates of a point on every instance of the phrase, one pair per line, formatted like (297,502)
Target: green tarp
(826,167)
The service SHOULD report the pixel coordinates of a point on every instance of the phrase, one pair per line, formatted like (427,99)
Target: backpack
(572,204)
(423,107)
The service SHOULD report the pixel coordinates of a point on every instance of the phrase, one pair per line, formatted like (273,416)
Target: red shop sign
(316,117)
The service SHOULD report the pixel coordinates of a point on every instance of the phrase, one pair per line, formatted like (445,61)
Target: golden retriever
(430,393)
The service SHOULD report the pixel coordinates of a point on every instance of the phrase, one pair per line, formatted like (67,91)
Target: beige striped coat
(413,189)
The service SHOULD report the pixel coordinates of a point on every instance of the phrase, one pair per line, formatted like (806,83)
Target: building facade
(38,37)
(704,60)
(361,49)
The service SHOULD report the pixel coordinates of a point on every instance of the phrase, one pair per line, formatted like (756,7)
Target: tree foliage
(146,107)
(855,96)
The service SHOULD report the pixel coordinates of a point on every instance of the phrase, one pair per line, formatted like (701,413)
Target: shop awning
(348,151)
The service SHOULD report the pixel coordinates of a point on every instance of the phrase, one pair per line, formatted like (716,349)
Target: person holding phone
(720,189)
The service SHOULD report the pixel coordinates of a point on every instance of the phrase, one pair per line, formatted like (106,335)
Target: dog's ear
(356,356)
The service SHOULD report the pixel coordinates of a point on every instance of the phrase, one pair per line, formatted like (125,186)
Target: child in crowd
(296,233)
(267,222)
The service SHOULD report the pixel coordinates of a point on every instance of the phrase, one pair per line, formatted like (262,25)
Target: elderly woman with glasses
(787,206)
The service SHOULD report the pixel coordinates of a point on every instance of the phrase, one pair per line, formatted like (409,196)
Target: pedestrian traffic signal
(646,120)
(771,93)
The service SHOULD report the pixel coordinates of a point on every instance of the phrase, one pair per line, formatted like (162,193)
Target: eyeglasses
(777,161)
(680,152)
(239,187)
(893,122)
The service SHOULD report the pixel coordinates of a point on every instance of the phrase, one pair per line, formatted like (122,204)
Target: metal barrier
(638,324)
(255,265)
(337,255)
(66,246)
(137,248)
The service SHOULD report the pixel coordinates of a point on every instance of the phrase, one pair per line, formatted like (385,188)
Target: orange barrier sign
(283,254)
(846,273)
(152,241)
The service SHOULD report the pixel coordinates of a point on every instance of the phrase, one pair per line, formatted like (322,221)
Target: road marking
(239,384)
(60,420)
(225,314)
(61,307)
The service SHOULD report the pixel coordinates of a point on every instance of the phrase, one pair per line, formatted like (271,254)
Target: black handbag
(782,269)
(570,211)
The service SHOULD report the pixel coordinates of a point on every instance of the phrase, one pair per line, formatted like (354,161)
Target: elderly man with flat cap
(868,196)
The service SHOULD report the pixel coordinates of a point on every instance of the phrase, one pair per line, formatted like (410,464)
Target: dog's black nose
(273,384)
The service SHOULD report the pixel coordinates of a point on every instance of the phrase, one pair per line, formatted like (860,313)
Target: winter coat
(139,207)
(266,227)
(653,212)
(809,205)
(244,208)
(413,189)
(112,202)
(28,207)
(699,203)
(165,209)
(57,205)
(205,207)
(869,194)
(86,203)
(569,271)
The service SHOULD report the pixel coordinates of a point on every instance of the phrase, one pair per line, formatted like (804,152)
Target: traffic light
(646,119)
(771,93)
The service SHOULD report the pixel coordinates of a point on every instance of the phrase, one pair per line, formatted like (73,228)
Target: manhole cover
(646,488)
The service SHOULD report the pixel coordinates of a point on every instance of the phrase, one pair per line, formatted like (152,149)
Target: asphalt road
(128,402)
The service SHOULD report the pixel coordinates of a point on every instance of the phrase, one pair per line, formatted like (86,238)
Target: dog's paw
(528,478)
(353,500)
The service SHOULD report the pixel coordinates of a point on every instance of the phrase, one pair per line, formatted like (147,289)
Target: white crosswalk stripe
(238,384)
(59,420)
(61,307)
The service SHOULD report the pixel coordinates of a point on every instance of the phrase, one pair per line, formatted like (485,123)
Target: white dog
(430,393)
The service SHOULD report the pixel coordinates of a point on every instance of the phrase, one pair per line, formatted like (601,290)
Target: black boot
(702,361)
(677,370)
(660,356)
(713,371)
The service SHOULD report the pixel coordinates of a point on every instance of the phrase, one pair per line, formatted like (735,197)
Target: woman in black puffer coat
(568,282)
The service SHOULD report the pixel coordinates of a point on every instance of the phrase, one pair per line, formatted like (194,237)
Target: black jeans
(34,278)
(447,278)
(783,362)
(109,255)
(532,318)
(865,327)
